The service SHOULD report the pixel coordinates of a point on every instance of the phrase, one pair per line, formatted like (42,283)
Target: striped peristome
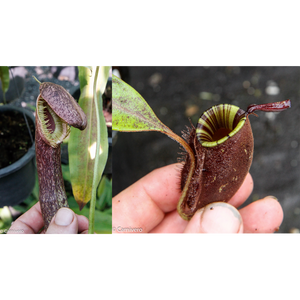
(224,117)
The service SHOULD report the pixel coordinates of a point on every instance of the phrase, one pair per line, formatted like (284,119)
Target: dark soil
(14,137)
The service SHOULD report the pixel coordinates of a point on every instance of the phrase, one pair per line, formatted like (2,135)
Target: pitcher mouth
(54,129)
(219,123)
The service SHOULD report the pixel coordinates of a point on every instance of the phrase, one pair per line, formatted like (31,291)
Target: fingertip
(64,222)
(276,207)
(262,216)
(64,217)
(83,224)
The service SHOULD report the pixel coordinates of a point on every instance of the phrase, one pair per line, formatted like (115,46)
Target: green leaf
(4,77)
(130,111)
(103,221)
(83,144)
(104,193)
(84,74)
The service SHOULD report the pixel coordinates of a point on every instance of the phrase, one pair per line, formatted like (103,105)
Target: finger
(172,223)
(144,204)
(163,186)
(262,216)
(64,222)
(243,192)
(83,224)
(30,222)
(217,217)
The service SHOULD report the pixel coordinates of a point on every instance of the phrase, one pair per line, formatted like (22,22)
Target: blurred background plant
(4,77)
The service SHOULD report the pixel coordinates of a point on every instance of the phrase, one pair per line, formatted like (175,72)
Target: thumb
(64,222)
(217,217)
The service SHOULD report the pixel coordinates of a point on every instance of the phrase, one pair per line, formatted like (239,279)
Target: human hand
(65,221)
(149,205)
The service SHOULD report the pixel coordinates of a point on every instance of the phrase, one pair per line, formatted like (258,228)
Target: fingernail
(220,217)
(64,217)
(271,197)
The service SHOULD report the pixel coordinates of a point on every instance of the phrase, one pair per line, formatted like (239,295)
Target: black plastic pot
(18,179)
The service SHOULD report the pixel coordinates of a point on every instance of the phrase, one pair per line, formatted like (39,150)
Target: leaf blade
(83,144)
(130,111)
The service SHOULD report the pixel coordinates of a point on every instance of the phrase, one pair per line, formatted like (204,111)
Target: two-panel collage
(127,150)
